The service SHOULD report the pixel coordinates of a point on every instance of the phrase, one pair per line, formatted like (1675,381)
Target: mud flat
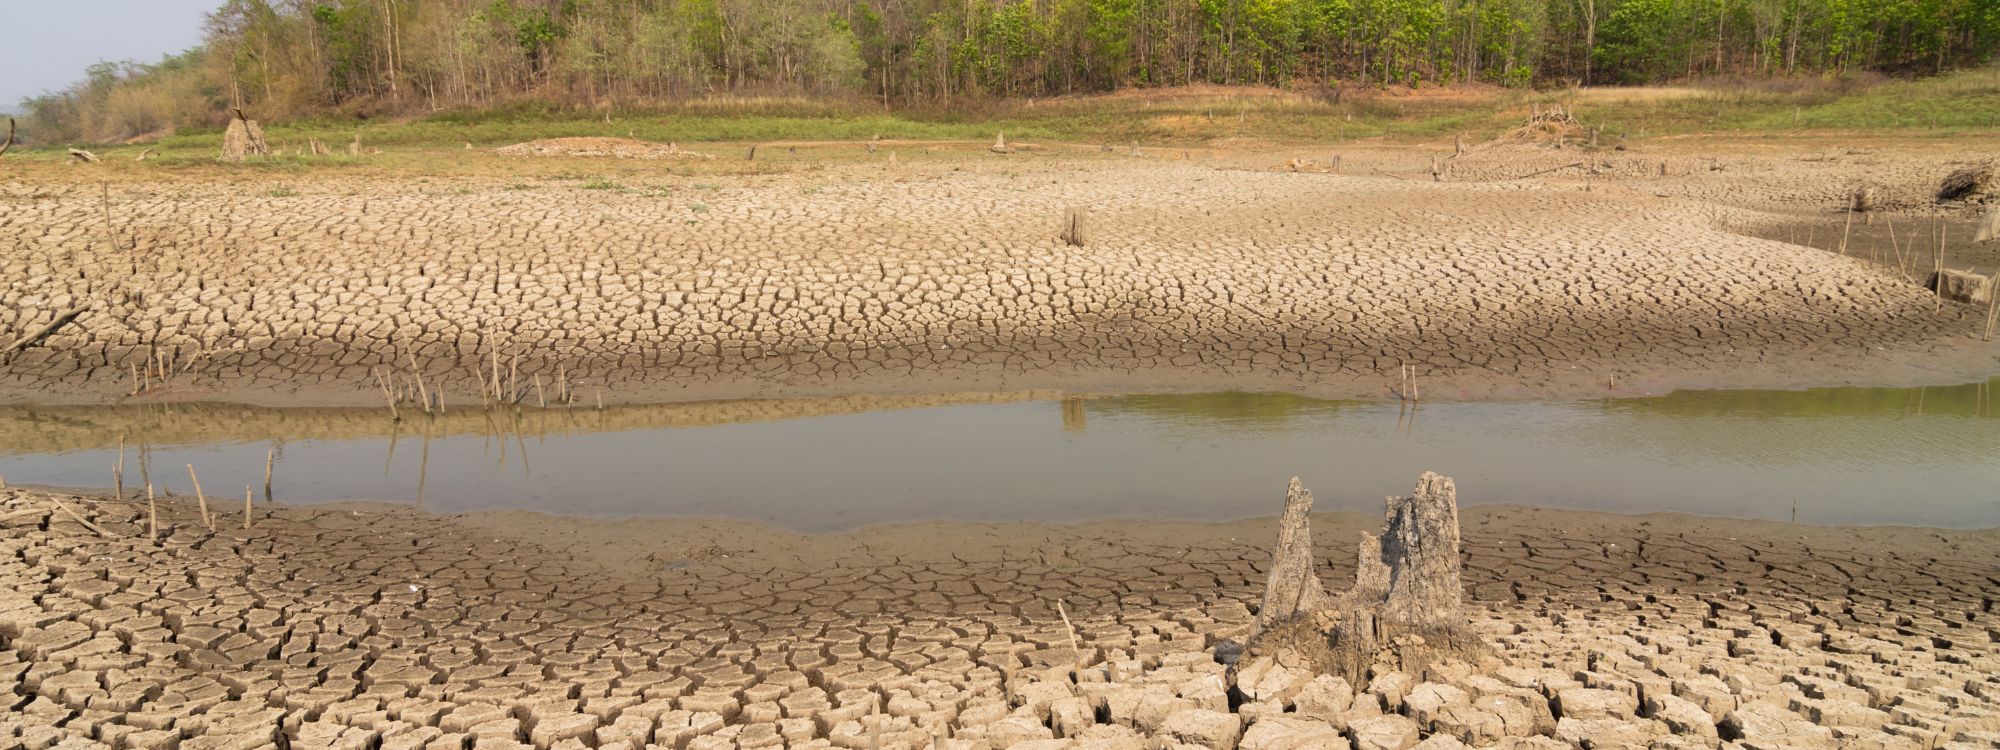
(936,274)
(365,626)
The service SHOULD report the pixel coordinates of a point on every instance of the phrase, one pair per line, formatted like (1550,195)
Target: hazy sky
(45,45)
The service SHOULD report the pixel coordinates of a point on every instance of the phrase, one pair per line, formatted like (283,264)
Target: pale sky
(45,45)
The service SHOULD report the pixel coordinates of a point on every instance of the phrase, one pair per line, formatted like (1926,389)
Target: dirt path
(348,627)
(943,274)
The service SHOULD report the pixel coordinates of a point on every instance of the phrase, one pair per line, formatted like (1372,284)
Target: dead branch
(79,519)
(1550,169)
(32,338)
(83,156)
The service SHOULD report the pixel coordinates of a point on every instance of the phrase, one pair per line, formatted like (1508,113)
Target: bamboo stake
(200,498)
(246,507)
(540,397)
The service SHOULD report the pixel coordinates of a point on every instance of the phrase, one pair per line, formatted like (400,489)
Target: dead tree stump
(1404,611)
(1072,233)
(1292,590)
(243,139)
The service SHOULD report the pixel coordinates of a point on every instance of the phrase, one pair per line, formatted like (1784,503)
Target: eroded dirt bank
(360,626)
(948,274)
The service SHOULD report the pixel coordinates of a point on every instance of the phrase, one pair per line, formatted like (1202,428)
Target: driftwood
(1404,608)
(42,333)
(1968,182)
(10,137)
(83,156)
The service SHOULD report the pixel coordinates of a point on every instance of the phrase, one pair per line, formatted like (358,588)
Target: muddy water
(1926,456)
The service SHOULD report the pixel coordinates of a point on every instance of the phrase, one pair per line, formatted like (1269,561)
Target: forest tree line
(293,58)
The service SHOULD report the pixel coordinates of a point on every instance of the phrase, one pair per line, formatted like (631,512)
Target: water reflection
(1915,456)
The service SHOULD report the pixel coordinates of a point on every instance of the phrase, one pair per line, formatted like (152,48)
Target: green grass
(1967,102)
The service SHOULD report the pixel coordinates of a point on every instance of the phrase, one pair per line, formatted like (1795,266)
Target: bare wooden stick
(422,392)
(1075,650)
(118,472)
(1550,169)
(200,499)
(152,514)
(246,507)
(270,459)
(1845,229)
(540,397)
(110,228)
(79,519)
(43,332)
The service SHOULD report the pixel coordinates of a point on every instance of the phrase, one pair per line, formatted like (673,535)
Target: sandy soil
(367,625)
(945,273)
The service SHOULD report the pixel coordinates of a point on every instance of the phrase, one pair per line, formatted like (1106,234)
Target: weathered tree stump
(1404,610)
(243,139)
(1072,231)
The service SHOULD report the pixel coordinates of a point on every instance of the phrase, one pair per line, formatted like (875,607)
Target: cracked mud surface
(948,275)
(374,626)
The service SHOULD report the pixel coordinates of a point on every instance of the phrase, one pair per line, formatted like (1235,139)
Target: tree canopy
(310,57)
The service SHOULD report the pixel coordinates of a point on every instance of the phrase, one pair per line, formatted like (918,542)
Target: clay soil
(831,270)
(1519,270)
(370,625)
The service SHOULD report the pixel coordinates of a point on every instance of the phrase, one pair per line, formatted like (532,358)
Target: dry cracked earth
(372,627)
(382,628)
(948,274)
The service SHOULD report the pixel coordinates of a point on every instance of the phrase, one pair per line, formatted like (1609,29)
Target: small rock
(1385,732)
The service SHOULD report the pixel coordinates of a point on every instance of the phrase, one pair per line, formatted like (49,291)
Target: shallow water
(1927,456)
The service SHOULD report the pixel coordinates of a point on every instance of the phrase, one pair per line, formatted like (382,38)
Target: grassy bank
(1964,103)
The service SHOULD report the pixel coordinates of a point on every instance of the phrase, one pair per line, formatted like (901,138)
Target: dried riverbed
(356,626)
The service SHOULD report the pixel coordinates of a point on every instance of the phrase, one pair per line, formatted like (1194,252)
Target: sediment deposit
(951,274)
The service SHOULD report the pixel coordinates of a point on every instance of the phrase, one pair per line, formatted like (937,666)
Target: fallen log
(44,332)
